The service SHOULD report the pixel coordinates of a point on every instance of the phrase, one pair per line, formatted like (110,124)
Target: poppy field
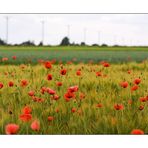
(68,98)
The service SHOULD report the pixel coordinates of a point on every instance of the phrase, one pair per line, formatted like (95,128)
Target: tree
(2,42)
(83,44)
(28,43)
(104,45)
(95,45)
(65,41)
(40,44)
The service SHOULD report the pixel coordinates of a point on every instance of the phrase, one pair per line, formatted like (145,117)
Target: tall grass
(88,118)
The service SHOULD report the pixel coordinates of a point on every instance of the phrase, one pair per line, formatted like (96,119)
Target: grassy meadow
(77,91)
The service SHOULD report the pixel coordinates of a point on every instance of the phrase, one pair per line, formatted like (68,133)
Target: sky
(123,29)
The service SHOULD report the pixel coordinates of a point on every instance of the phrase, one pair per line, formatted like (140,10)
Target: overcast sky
(125,29)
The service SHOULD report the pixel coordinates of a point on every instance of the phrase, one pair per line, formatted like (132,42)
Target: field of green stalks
(80,54)
(83,98)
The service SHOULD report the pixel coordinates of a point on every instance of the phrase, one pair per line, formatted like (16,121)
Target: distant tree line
(65,42)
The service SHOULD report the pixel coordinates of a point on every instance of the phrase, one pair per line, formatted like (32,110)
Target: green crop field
(81,54)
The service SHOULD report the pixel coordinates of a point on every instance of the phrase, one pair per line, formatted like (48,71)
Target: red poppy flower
(34,98)
(141,107)
(129,71)
(135,87)
(118,107)
(48,65)
(24,83)
(4,59)
(14,57)
(137,132)
(50,118)
(10,84)
(27,110)
(57,110)
(51,91)
(11,128)
(73,88)
(1,85)
(59,83)
(68,96)
(35,125)
(143,99)
(82,96)
(63,71)
(124,84)
(99,105)
(106,64)
(78,73)
(137,81)
(49,77)
(43,90)
(40,100)
(98,74)
(73,110)
(56,97)
(26,117)
(31,93)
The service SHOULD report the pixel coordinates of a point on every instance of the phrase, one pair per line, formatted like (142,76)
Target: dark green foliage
(2,42)
(65,41)
(28,43)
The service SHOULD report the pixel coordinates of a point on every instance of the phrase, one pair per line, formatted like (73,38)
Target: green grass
(84,54)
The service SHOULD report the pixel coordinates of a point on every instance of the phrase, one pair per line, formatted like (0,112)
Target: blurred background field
(72,53)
